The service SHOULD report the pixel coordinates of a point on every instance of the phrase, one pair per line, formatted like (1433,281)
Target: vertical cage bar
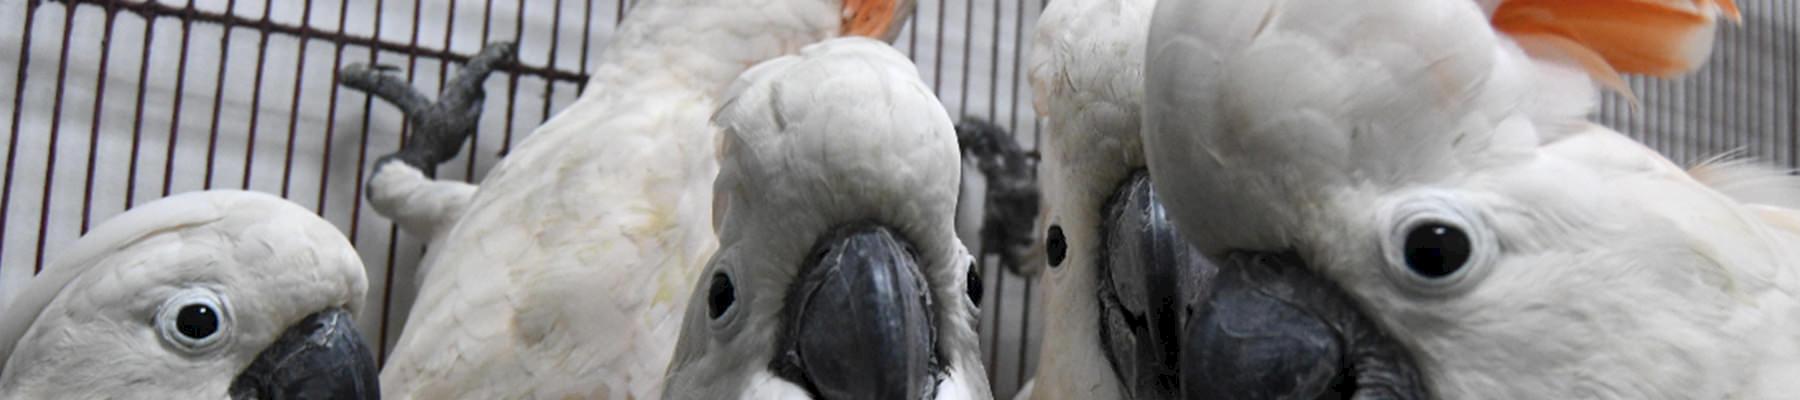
(337,58)
(587,32)
(175,112)
(362,156)
(512,81)
(1793,57)
(1024,352)
(262,56)
(287,158)
(212,138)
(555,34)
(12,139)
(87,187)
(937,60)
(62,73)
(487,19)
(137,113)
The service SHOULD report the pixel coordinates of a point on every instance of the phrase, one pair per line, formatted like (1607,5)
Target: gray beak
(858,321)
(1149,278)
(321,357)
(1271,329)
(1178,325)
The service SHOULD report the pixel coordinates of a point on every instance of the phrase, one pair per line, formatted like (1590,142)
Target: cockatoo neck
(704,44)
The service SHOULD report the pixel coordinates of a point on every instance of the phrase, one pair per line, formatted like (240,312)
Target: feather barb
(1662,38)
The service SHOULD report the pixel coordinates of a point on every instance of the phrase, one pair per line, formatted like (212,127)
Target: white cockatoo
(200,295)
(1433,161)
(1086,61)
(567,270)
(839,274)
(1121,279)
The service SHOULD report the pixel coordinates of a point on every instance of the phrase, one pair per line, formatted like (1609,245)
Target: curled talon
(1012,200)
(440,127)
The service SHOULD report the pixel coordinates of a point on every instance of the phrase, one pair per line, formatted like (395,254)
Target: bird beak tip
(322,356)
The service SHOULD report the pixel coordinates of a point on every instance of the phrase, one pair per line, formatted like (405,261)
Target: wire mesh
(118,102)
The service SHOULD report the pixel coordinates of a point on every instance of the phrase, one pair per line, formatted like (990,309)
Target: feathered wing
(567,272)
(1739,214)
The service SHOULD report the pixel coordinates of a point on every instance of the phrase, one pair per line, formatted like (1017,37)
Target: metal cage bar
(135,73)
(198,94)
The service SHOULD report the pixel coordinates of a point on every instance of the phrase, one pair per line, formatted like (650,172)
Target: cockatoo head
(218,294)
(1129,297)
(756,30)
(1421,158)
(878,19)
(839,274)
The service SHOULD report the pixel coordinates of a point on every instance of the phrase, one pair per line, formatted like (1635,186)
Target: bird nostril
(1343,386)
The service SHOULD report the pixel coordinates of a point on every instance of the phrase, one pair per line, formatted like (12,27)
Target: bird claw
(1012,199)
(438,128)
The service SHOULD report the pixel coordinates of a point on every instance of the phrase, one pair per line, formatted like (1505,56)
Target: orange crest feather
(1661,38)
(872,18)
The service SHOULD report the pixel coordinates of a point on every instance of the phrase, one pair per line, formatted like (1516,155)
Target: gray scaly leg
(438,129)
(1008,226)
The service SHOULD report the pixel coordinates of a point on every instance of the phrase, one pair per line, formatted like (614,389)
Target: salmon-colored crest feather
(871,18)
(1662,38)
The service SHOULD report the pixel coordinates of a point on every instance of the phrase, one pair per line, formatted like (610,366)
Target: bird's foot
(1012,192)
(438,128)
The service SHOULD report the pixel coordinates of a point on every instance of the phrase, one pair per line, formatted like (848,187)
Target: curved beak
(322,357)
(858,321)
(1271,329)
(1178,325)
(1149,278)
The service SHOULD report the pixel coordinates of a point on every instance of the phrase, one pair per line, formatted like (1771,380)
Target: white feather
(1749,181)
(85,328)
(569,270)
(1601,270)
(845,132)
(1086,71)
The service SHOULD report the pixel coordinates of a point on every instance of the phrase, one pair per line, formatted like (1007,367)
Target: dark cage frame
(112,105)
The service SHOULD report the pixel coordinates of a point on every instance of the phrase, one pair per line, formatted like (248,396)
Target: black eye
(721,296)
(974,285)
(197,321)
(1436,250)
(1056,245)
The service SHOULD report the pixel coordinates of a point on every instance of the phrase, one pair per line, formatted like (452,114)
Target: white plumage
(566,272)
(1598,269)
(843,133)
(97,322)
(1086,71)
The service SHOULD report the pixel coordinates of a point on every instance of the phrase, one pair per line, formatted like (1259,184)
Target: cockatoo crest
(843,133)
(801,158)
(1441,171)
(1661,38)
